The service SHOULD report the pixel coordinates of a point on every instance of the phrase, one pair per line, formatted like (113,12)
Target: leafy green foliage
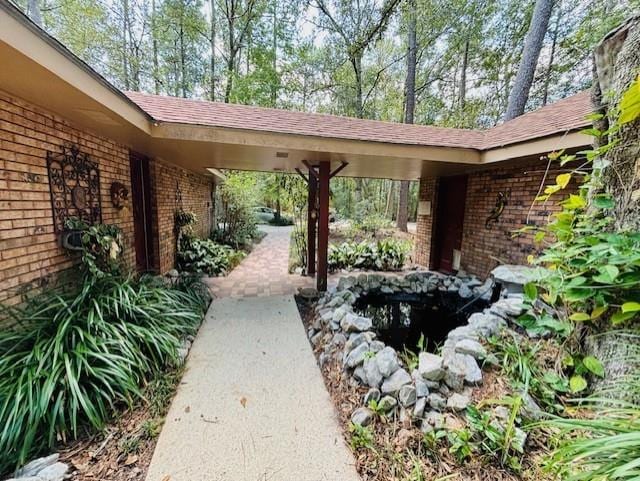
(519,360)
(461,444)
(604,448)
(73,355)
(498,439)
(101,247)
(361,437)
(384,255)
(236,199)
(592,271)
(197,255)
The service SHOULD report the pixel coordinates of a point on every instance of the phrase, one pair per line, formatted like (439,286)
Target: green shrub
(604,448)
(281,221)
(384,255)
(205,256)
(73,355)
(101,247)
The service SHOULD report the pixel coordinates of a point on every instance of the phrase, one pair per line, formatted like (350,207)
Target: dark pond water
(401,319)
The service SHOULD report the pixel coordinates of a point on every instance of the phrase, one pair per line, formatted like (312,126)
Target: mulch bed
(123,450)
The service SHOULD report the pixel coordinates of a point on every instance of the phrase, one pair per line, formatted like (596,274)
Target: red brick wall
(425,221)
(29,252)
(197,196)
(482,248)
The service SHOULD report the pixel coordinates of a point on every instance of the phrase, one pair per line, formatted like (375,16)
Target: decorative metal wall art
(74,182)
(501,202)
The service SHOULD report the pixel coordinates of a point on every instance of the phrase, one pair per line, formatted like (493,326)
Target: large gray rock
(353,323)
(456,372)
(393,383)
(436,401)
(472,348)
(465,292)
(387,403)
(362,416)
(430,366)
(486,324)
(376,346)
(354,340)
(373,394)
(418,409)
(463,332)
(513,277)
(374,377)
(458,402)
(507,308)
(387,360)
(407,395)
(473,373)
(55,472)
(422,390)
(357,356)
(35,466)
(360,376)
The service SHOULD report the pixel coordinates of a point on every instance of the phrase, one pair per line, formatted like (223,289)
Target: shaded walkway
(264,272)
(252,405)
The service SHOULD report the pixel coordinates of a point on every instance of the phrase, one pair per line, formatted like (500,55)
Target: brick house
(55,110)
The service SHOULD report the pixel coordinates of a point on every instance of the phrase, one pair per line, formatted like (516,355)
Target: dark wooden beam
(312,222)
(312,169)
(304,177)
(335,172)
(323,225)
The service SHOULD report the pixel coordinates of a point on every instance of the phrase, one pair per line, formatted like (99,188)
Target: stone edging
(441,382)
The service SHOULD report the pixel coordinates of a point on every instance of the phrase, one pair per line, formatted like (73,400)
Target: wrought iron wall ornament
(501,202)
(74,183)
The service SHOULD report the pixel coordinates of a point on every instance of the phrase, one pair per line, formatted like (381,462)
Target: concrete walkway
(252,405)
(264,272)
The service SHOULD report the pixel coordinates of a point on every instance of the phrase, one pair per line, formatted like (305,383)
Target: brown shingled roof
(564,115)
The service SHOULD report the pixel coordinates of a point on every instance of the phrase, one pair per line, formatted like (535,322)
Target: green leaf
(577,383)
(593,365)
(574,202)
(603,201)
(620,317)
(631,307)
(630,103)
(563,180)
(530,291)
(579,317)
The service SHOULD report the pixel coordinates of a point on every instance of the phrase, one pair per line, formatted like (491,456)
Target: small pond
(401,319)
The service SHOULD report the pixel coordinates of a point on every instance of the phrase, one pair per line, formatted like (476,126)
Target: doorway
(142,215)
(452,194)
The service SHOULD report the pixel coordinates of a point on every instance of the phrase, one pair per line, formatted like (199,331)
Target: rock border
(441,382)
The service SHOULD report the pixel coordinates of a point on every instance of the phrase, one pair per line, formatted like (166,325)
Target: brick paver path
(264,272)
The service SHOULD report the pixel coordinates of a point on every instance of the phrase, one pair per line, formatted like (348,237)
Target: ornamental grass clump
(73,355)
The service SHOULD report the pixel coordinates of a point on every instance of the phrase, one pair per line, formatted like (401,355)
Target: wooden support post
(323,225)
(312,221)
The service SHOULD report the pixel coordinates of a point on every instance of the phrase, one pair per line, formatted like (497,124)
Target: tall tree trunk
(552,54)
(183,60)
(617,62)
(527,69)
(34,12)
(409,107)
(154,42)
(462,95)
(125,44)
(274,61)
(212,60)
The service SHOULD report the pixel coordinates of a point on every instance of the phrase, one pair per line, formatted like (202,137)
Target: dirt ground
(123,450)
